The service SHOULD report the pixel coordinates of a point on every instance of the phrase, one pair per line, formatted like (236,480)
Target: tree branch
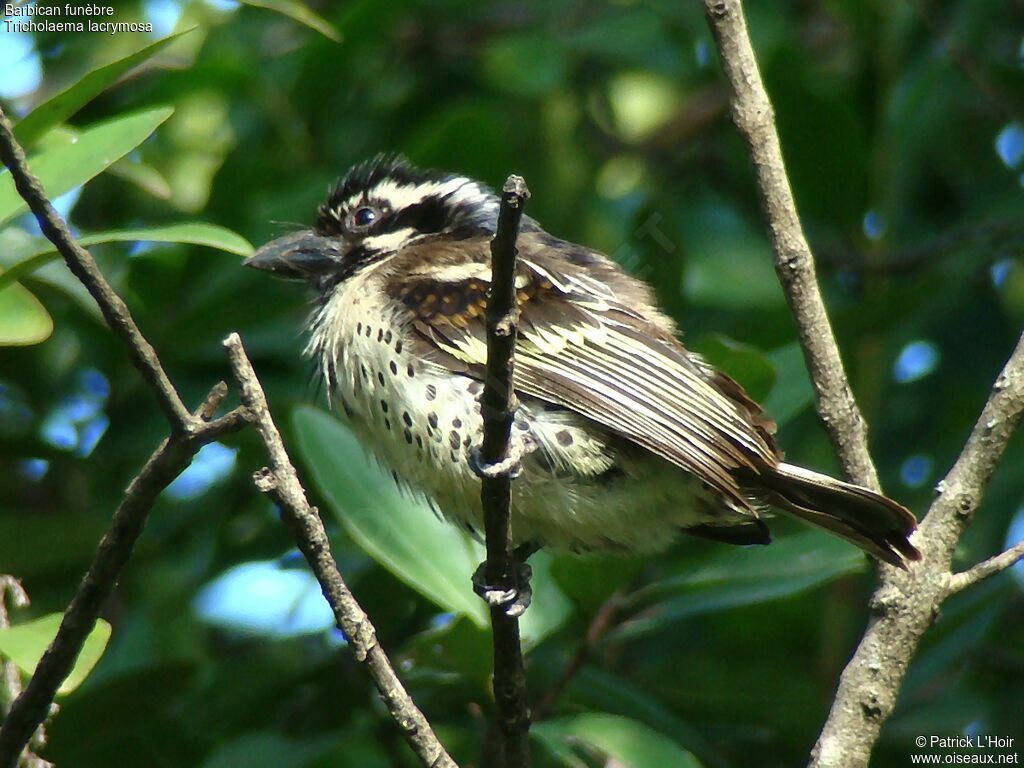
(961,581)
(752,112)
(189,432)
(498,406)
(168,461)
(83,266)
(906,604)
(281,483)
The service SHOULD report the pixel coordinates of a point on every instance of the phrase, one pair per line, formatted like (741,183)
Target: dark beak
(298,256)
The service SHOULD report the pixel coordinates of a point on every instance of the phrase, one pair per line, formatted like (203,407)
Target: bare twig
(752,112)
(281,483)
(166,463)
(82,264)
(906,603)
(961,581)
(189,432)
(498,406)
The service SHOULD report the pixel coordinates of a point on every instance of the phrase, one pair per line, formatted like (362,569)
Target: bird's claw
(513,601)
(509,466)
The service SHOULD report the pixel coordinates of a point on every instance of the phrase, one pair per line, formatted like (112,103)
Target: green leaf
(66,103)
(404,534)
(90,153)
(628,743)
(298,12)
(24,644)
(744,576)
(23,319)
(595,689)
(192,233)
(742,362)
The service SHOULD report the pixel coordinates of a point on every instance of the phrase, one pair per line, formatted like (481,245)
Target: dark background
(901,127)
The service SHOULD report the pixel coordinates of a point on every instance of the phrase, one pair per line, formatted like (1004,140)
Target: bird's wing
(587,342)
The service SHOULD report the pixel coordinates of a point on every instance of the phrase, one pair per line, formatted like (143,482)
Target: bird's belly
(576,492)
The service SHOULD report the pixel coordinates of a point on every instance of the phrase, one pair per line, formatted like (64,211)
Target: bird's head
(380,207)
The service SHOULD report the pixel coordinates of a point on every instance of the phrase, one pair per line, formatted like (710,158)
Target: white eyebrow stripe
(405,195)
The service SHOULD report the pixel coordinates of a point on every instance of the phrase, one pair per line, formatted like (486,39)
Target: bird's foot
(513,601)
(510,466)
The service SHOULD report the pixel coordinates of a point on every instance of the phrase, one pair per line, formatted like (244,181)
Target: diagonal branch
(83,266)
(189,432)
(281,483)
(906,604)
(497,407)
(31,707)
(754,117)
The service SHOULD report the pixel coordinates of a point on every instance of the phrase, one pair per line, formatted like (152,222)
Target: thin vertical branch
(498,407)
(752,112)
(906,603)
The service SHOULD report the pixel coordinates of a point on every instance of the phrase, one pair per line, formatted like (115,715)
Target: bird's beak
(298,256)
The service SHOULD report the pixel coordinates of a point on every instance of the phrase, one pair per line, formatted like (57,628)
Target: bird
(626,438)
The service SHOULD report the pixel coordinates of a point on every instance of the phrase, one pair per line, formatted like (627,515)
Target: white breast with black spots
(420,420)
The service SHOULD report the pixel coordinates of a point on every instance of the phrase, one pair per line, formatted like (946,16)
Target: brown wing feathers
(593,342)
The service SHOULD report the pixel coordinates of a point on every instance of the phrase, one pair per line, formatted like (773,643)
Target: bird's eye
(364,217)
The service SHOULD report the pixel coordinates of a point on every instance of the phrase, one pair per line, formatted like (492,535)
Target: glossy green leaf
(92,151)
(738,576)
(597,689)
(404,534)
(59,108)
(23,318)
(192,233)
(16,246)
(626,742)
(24,644)
(744,363)
(298,12)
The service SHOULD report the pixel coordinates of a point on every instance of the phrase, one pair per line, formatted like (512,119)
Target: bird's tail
(876,524)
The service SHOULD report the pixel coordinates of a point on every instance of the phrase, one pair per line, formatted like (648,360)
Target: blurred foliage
(902,127)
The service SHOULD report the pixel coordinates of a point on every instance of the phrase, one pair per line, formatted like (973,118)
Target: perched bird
(627,437)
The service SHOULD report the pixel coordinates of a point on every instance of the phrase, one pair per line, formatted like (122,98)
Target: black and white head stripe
(406,202)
